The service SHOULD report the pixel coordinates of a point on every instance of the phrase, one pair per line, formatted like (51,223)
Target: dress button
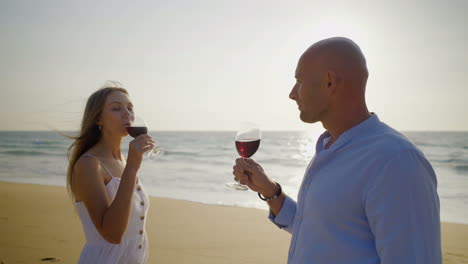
(141,232)
(142,217)
(139,246)
(139,188)
(142,203)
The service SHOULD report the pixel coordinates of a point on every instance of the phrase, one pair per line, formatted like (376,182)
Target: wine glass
(139,127)
(247,142)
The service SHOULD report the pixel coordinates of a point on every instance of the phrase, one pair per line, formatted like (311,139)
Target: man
(368,195)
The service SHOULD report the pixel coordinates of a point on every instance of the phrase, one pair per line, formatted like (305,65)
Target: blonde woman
(110,200)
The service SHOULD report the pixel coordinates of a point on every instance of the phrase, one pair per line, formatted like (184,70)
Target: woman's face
(117,114)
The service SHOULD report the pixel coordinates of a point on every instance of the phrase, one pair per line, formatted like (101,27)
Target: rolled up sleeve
(285,217)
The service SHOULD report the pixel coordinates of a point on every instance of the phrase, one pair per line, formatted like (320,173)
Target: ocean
(195,166)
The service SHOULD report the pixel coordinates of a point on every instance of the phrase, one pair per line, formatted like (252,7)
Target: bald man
(368,195)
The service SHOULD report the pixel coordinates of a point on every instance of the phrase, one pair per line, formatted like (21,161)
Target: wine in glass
(139,127)
(247,142)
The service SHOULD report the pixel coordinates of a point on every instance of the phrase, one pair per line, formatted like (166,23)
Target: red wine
(246,148)
(136,131)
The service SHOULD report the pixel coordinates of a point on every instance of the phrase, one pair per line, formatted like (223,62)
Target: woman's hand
(137,148)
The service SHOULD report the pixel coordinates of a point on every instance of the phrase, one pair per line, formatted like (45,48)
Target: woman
(109,198)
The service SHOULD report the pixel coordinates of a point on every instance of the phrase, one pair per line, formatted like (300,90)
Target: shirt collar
(357,131)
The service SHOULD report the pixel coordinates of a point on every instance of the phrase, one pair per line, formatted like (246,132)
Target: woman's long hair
(90,133)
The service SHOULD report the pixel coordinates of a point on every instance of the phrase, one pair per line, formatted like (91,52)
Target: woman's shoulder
(87,160)
(87,172)
(89,165)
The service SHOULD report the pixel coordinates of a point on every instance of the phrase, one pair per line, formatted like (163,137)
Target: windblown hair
(90,133)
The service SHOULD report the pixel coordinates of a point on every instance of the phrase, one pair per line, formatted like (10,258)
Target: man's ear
(332,81)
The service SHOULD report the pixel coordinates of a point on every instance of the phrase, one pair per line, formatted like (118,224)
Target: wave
(449,162)
(45,150)
(429,144)
(187,153)
(33,144)
(180,153)
(220,162)
(462,168)
(284,162)
(47,143)
(29,153)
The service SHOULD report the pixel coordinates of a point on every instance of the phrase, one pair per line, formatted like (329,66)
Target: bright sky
(209,65)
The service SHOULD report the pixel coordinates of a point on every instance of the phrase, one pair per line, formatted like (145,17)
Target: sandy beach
(38,222)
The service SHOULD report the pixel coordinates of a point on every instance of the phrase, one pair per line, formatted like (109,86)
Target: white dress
(134,245)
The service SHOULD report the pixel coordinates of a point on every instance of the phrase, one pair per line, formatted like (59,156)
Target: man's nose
(292,94)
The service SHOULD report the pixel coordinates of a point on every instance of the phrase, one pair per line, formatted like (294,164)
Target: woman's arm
(109,217)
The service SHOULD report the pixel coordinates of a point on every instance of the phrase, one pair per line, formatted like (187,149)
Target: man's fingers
(239,162)
(238,168)
(237,171)
(246,166)
(240,175)
(243,179)
(251,162)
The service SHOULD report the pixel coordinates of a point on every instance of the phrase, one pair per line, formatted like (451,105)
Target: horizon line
(224,130)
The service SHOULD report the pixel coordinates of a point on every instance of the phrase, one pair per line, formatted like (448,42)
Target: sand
(38,222)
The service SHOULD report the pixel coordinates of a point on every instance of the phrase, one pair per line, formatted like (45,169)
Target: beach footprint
(51,259)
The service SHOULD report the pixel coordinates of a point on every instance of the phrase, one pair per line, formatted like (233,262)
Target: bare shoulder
(85,165)
(87,173)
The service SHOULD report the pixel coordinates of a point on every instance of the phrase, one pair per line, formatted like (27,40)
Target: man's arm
(284,218)
(402,207)
(282,208)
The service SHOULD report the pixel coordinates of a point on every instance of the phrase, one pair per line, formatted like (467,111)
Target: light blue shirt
(370,198)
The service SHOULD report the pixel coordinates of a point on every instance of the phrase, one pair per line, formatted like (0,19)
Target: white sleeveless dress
(134,245)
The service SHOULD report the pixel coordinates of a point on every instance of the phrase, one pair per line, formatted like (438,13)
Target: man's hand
(250,173)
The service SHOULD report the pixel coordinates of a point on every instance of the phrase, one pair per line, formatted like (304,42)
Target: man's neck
(339,124)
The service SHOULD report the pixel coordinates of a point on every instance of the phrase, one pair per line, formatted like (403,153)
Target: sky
(210,65)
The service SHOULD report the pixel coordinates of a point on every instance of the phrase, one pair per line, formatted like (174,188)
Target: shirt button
(138,188)
(142,217)
(141,232)
(142,203)
(139,246)
(297,217)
